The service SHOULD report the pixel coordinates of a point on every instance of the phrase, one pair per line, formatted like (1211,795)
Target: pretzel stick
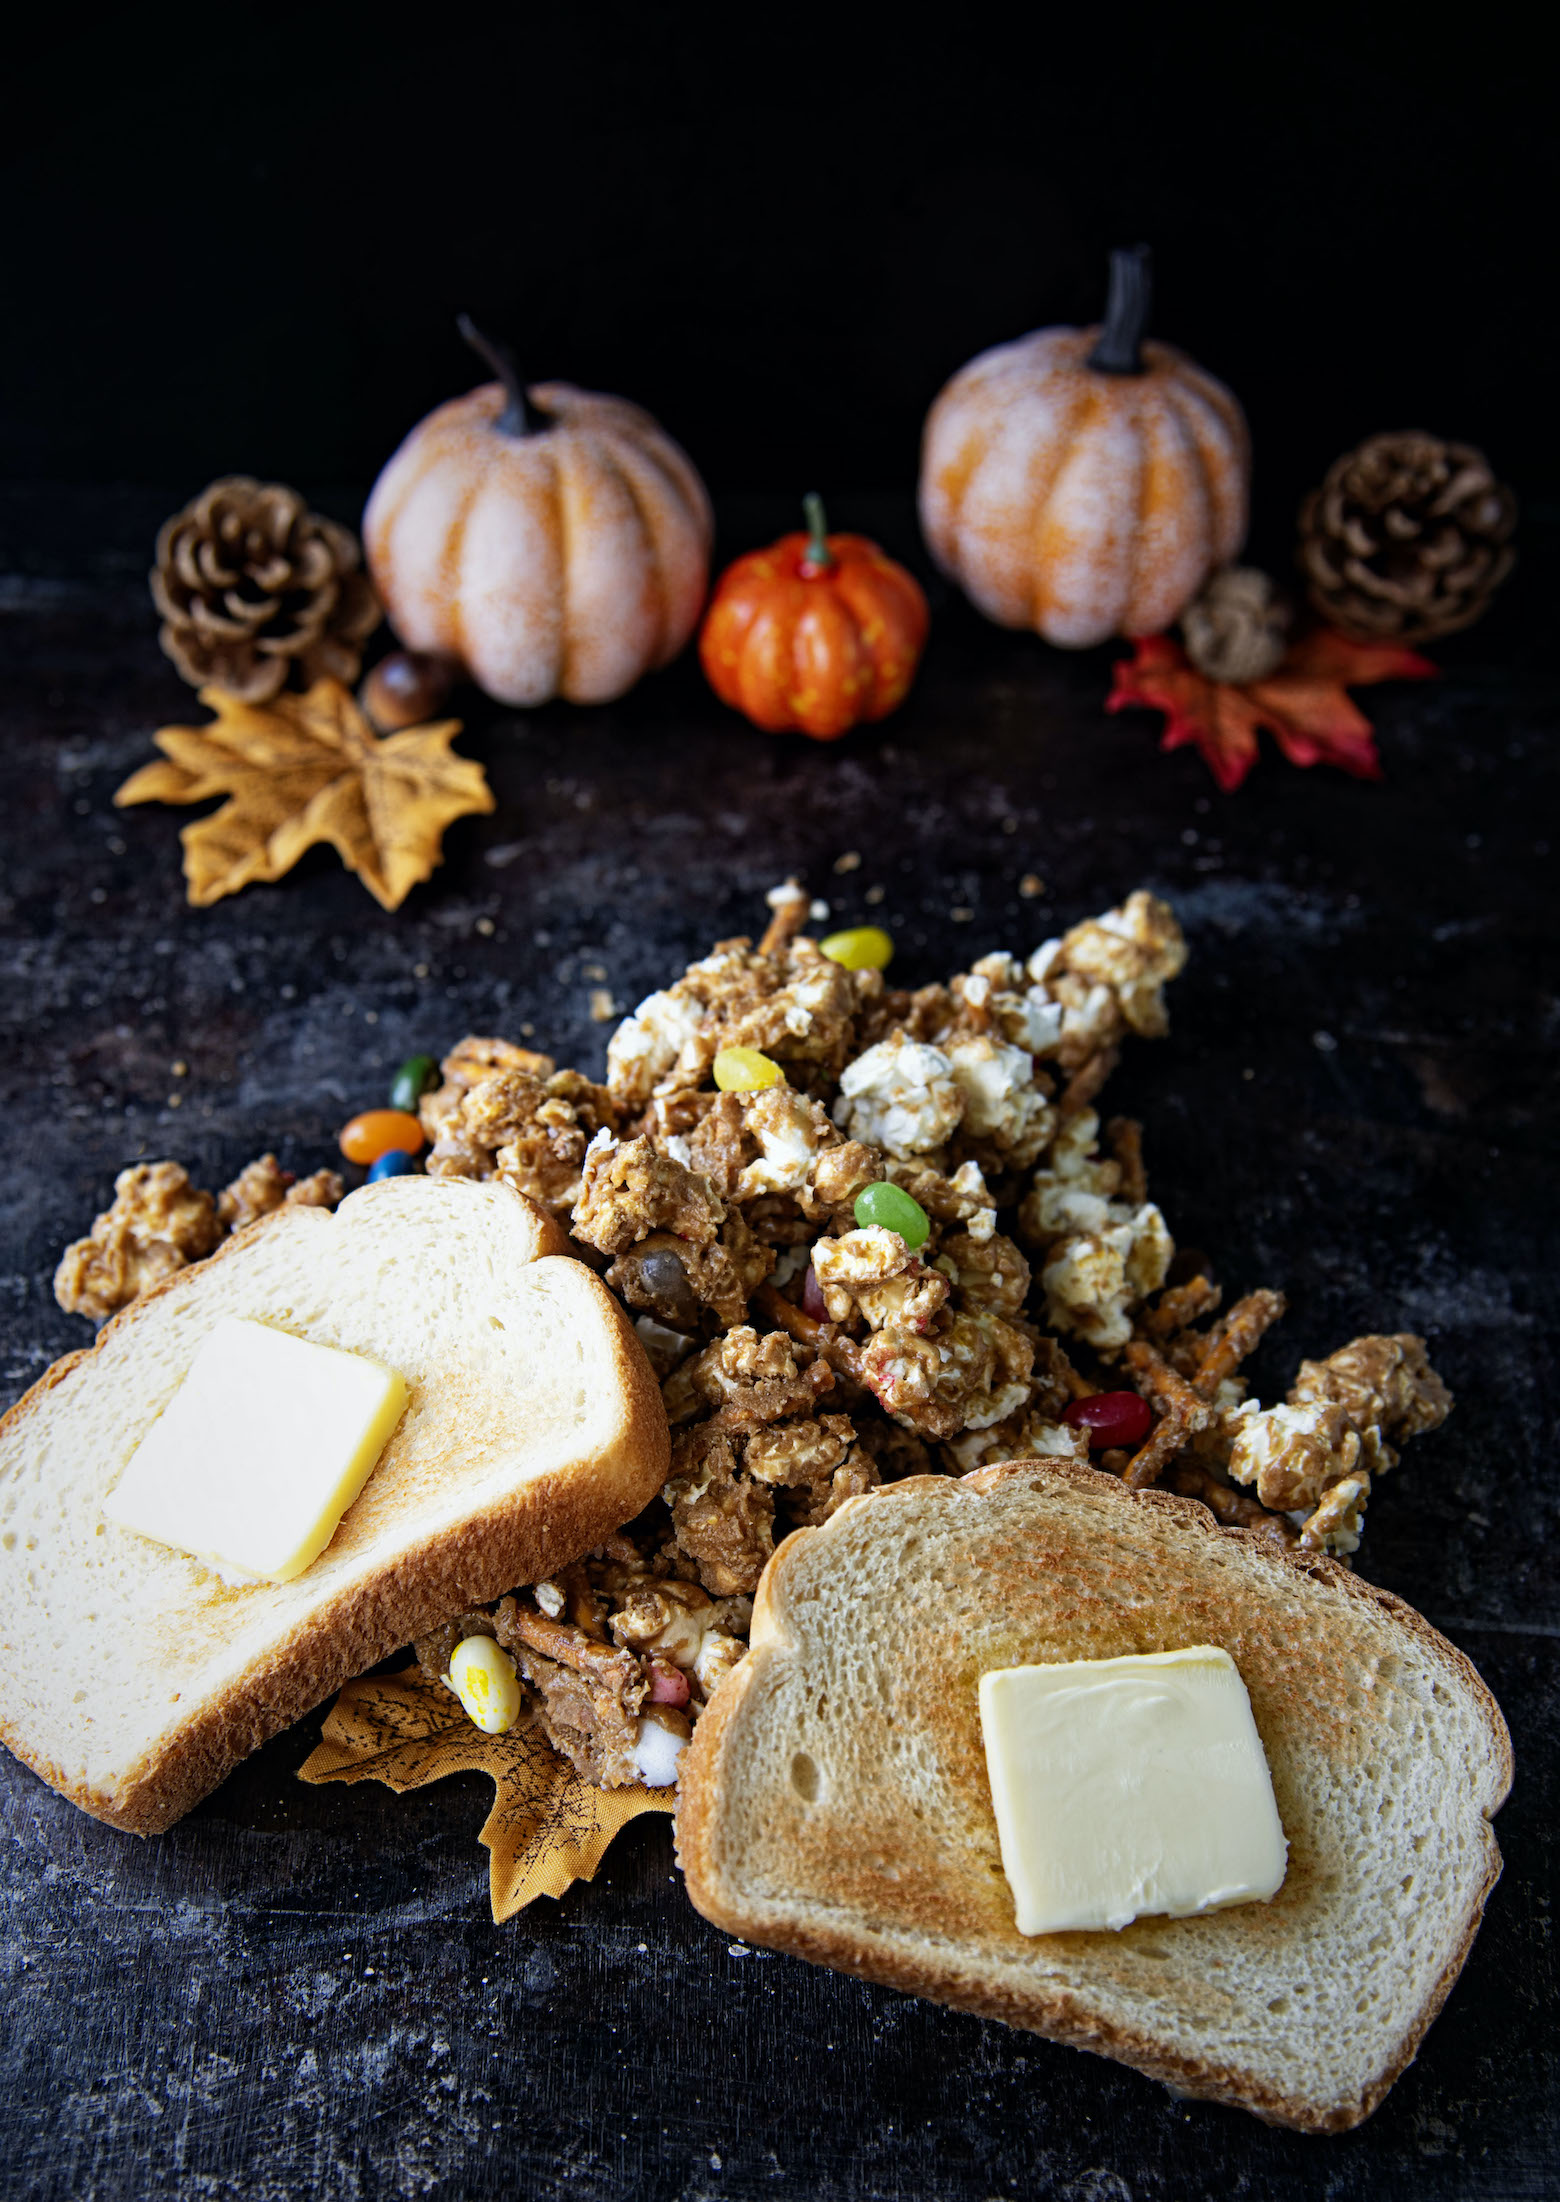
(1124,1138)
(790,905)
(1232,1339)
(1087,1080)
(1235,1509)
(787,1316)
(1181,1306)
(1182,1414)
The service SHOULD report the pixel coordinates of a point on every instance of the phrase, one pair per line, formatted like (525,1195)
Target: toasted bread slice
(835,1802)
(132,1677)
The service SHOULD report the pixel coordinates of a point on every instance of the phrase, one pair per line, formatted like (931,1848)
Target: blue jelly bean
(393,1163)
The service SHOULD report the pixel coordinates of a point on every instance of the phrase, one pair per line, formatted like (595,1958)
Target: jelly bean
(745,1070)
(668,1684)
(1111,1418)
(412,1081)
(813,1301)
(891,1207)
(376,1131)
(483,1677)
(394,1162)
(860,948)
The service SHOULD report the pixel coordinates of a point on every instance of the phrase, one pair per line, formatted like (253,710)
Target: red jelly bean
(668,1684)
(1111,1418)
(813,1302)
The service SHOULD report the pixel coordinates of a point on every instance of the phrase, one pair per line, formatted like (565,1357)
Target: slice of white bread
(834,1801)
(131,1676)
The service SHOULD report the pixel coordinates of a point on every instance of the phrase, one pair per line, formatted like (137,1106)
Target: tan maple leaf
(547,1828)
(302,769)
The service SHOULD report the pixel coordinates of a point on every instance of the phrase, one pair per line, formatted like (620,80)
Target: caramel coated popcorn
(793,1005)
(1102,1256)
(158,1223)
(263,1186)
(529,1127)
(1314,1456)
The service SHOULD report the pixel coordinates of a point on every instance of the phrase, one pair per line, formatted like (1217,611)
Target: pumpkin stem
(517,418)
(818,557)
(1120,348)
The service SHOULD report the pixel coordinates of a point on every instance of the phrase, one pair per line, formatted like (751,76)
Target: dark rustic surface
(299,1990)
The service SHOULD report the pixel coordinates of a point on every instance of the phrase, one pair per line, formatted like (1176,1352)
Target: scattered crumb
(1010,825)
(818,911)
(181,1070)
(850,861)
(960,915)
(593,970)
(526,1031)
(602,1006)
(1031,885)
(876,894)
(1324,1041)
(419,970)
(485,925)
(174,1100)
(1248,1074)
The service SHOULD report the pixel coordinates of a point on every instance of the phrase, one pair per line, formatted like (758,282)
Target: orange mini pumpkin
(1083,482)
(815,634)
(551,541)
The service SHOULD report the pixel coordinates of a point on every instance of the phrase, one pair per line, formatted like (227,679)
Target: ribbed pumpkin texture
(1079,500)
(814,645)
(564,560)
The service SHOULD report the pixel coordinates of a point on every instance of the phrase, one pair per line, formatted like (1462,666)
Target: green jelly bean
(891,1207)
(412,1081)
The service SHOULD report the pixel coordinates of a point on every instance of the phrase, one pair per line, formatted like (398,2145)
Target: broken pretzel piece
(1182,1413)
(1234,1508)
(1234,1337)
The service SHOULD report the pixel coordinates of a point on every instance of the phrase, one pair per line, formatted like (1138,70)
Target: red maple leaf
(1304,705)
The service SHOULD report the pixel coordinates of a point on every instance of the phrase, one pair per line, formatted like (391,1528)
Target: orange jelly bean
(380,1132)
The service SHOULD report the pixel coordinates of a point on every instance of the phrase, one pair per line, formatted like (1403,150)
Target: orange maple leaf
(1304,705)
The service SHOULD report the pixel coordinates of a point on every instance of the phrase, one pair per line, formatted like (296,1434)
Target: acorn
(406,688)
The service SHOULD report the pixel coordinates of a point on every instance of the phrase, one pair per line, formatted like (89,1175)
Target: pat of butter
(1125,1786)
(260,1451)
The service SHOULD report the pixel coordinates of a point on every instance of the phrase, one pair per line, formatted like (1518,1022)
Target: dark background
(237,240)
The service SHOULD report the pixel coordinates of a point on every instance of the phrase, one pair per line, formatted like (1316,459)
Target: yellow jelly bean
(482,1675)
(862,948)
(745,1070)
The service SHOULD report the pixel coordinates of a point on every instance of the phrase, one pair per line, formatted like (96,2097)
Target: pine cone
(1406,539)
(250,584)
(1238,629)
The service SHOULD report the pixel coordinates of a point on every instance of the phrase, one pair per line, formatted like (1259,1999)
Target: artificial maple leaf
(302,769)
(547,1828)
(1303,705)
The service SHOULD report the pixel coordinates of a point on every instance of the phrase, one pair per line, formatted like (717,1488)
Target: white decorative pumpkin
(550,541)
(1082,482)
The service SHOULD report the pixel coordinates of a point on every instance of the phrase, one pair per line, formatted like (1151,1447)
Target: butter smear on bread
(260,1451)
(1129,1786)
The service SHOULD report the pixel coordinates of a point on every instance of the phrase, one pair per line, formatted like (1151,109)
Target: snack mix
(793,1178)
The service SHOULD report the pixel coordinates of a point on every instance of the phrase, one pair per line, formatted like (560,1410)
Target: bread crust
(1058,2013)
(550,1519)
